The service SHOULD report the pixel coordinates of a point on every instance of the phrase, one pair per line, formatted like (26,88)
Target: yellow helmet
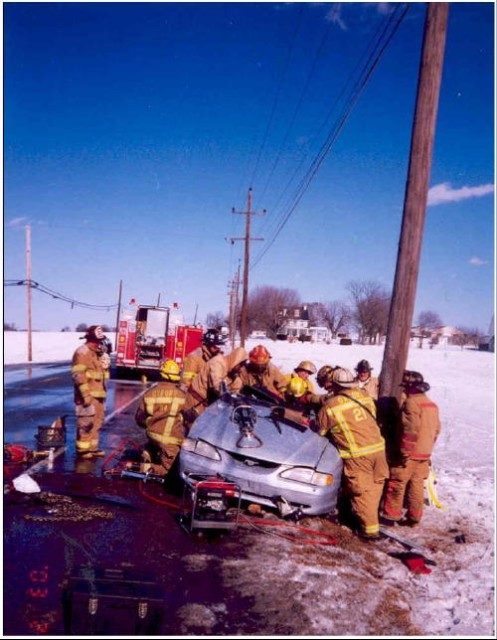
(296,387)
(170,370)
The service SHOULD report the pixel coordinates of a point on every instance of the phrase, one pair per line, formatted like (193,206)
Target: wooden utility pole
(29,291)
(233,313)
(249,213)
(416,196)
(118,312)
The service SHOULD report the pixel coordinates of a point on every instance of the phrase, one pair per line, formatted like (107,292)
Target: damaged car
(276,461)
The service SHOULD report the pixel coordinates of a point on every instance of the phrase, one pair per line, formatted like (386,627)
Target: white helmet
(344,378)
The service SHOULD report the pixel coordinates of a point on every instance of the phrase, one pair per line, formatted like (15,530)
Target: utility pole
(118,312)
(416,196)
(233,313)
(249,213)
(29,291)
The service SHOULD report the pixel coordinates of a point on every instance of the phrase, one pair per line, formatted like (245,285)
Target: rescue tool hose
(119,448)
(326,538)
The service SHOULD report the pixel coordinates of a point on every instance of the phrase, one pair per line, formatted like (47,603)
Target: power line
(56,295)
(277,95)
(336,130)
(298,106)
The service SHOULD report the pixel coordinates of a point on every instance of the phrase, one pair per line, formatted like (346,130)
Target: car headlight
(201,448)
(307,476)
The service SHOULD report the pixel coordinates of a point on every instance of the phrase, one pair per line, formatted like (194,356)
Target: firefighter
(212,341)
(206,386)
(160,414)
(348,419)
(259,372)
(303,371)
(90,371)
(323,378)
(365,380)
(296,406)
(419,429)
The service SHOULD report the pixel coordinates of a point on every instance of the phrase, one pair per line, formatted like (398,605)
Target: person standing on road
(348,419)
(159,412)
(212,341)
(419,429)
(89,374)
(365,380)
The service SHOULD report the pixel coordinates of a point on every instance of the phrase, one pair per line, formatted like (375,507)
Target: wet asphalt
(132,538)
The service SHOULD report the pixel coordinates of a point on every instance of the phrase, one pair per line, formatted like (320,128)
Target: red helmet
(259,355)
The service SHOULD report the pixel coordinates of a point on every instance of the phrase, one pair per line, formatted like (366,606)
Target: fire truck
(151,335)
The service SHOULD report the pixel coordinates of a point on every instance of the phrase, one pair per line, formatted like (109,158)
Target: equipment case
(111,602)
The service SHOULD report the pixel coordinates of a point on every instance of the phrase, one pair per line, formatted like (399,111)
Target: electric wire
(58,296)
(300,189)
(362,61)
(336,130)
(296,111)
(277,94)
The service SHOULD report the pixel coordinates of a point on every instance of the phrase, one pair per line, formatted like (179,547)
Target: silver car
(275,461)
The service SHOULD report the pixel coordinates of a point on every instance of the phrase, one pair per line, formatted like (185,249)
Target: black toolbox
(112,602)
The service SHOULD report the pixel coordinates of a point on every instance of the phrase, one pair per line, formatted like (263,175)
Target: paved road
(106,522)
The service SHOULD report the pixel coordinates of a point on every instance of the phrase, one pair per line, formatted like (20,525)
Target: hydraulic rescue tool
(210,503)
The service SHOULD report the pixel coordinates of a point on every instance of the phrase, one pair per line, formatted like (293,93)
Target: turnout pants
(364,481)
(88,426)
(164,446)
(406,487)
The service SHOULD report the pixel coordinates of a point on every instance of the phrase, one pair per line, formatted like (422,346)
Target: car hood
(272,439)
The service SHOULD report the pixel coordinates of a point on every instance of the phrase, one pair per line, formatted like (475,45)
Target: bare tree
(429,320)
(9,326)
(370,303)
(335,315)
(216,319)
(467,337)
(266,305)
(82,326)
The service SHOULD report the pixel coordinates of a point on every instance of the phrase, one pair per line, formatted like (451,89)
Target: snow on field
(358,589)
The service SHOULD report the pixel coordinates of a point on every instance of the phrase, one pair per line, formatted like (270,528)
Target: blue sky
(132,129)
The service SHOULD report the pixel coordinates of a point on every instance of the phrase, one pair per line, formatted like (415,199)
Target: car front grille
(252,462)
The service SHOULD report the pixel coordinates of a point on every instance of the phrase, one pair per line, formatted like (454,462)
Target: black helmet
(413,382)
(94,333)
(363,366)
(212,338)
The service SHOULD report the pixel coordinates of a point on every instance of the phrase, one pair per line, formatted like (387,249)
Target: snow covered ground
(354,588)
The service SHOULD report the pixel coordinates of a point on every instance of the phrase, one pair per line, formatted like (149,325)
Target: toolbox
(112,602)
(52,436)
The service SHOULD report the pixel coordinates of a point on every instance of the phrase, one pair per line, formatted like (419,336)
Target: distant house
(442,336)
(295,325)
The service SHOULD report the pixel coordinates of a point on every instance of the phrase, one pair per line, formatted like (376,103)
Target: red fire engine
(152,336)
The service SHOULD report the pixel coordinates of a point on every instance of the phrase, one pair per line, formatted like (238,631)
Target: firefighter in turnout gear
(206,386)
(365,380)
(259,372)
(212,341)
(348,419)
(89,374)
(303,371)
(418,431)
(160,414)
